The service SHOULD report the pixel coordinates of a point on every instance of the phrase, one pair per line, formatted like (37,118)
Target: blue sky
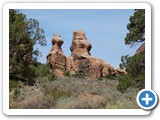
(105,30)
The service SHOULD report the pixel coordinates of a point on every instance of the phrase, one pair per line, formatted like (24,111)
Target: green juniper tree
(134,65)
(24,34)
(136,28)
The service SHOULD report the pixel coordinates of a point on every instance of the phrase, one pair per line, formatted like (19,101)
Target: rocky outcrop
(56,58)
(80,57)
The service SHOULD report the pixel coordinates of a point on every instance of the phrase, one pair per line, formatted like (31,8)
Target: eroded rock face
(80,57)
(80,45)
(56,58)
(59,73)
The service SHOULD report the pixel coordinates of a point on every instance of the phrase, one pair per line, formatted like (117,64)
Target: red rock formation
(56,57)
(80,57)
(80,45)
(80,53)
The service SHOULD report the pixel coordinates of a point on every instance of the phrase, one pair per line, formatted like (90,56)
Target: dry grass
(74,93)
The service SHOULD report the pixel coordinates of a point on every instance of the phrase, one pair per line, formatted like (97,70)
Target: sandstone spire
(80,45)
(56,58)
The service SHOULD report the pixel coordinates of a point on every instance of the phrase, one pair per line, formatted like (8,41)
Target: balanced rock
(56,58)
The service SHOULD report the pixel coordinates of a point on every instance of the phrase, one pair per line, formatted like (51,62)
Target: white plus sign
(147,99)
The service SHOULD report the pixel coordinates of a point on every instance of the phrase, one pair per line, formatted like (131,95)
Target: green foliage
(52,76)
(42,70)
(14,89)
(67,73)
(14,92)
(81,73)
(57,94)
(135,66)
(107,77)
(23,35)
(136,28)
(125,82)
(44,73)
(13,84)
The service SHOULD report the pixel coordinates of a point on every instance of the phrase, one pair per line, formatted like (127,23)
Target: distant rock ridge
(80,57)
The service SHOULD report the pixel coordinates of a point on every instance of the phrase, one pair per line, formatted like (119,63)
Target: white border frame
(8,6)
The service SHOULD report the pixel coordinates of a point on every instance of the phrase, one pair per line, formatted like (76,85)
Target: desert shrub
(139,82)
(81,103)
(110,99)
(42,70)
(100,79)
(67,73)
(107,77)
(14,87)
(76,93)
(13,84)
(57,89)
(81,73)
(44,73)
(125,82)
(32,97)
(14,92)
(110,77)
(57,94)
(52,76)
